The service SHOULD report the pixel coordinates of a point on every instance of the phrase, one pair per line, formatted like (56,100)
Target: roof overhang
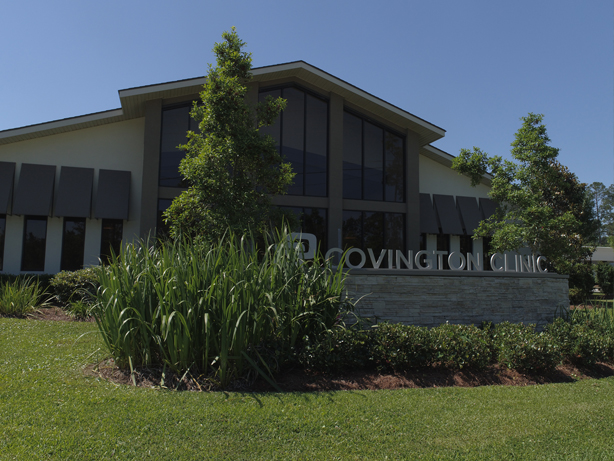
(133,102)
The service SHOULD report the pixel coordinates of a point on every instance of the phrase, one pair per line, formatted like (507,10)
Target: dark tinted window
(375,230)
(34,244)
(111,238)
(176,122)
(301,134)
(312,221)
(73,244)
(373,161)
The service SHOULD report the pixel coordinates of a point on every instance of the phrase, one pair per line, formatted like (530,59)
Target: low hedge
(399,348)
(74,286)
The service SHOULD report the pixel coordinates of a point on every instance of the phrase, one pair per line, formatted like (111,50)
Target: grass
(49,409)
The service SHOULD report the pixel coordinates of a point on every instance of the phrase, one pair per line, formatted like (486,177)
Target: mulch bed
(305,381)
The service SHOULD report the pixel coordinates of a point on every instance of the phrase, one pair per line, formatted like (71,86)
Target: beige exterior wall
(436,178)
(117,146)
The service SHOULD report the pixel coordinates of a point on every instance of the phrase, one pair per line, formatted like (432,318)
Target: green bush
(581,283)
(337,350)
(21,296)
(521,347)
(579,343)
(209,307)
(73,286)
(462,346)
(604,275)
(400,347)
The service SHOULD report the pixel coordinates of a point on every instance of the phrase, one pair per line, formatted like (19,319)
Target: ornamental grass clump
(21,297)
(212,309)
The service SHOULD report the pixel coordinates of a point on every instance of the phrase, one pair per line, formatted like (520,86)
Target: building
(367,174)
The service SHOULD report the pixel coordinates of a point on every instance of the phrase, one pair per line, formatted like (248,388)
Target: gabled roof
(133,99)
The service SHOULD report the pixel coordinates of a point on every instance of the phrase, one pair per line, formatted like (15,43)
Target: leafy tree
(602,199)
(542,205)
(230,167)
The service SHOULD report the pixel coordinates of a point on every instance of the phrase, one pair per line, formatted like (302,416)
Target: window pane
(111,238)
(34,243)
(374,163)
(316,146)
(352,233)
(2,233)
(395,171)
(373,231)
(352,156)
(314,222)
(175,124)
(394,231)
(73,244)
(293,128)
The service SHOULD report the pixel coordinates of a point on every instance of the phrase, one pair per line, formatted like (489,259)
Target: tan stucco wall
(117,146)
(436,178)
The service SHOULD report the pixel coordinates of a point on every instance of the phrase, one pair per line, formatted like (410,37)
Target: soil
(299,380)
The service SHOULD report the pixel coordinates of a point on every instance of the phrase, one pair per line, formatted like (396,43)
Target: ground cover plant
(222,310)
(21,296)
(53,407)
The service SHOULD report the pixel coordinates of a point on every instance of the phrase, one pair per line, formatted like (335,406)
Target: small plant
(400,347)
(79,309)
(21,297)
(336,350)
(462,346)
(75,285)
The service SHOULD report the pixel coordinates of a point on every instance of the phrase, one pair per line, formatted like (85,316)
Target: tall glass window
(301,134)
(312,221)
(2,234)
(111,238)
(373,161)
(73,244)
(34,243)
(375,230)
(176,122)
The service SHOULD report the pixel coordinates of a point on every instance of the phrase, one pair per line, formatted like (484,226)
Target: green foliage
(581,283)
(21,297)
(232,170)
(214,307)
(580,344)
(336,350)
(74,286)
(400,347)
(462,346)
(43,280)
(602,200)
(604,274)
(542,205)
(521,347)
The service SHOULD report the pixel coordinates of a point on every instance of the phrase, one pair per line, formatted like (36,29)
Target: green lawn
(50,410)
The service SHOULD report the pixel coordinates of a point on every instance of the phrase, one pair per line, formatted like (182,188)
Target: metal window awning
(74,197)
(428,219)
(7,176)
(34,194)
(113,195)
(448,214)
(488,207)
(470,213)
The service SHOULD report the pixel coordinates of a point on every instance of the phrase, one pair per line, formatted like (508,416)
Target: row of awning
(446,216)
(34,193)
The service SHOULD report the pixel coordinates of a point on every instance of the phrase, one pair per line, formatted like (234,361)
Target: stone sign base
(430,298)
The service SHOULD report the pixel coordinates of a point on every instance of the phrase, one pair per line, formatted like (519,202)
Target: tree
(542,205)
(230,167)
(602,199)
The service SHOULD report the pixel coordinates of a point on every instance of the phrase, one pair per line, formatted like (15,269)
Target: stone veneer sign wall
(428,299)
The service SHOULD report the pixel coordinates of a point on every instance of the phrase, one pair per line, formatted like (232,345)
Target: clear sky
(472,67)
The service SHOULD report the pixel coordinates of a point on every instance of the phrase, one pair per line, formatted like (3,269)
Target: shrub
(461,346)
(581,283)
(520,347)
(579,343)
(604,275)
(400,347)
(75,286)
(21,297)
(336,350)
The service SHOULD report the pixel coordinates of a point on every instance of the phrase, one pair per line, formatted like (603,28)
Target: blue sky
(472,67)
